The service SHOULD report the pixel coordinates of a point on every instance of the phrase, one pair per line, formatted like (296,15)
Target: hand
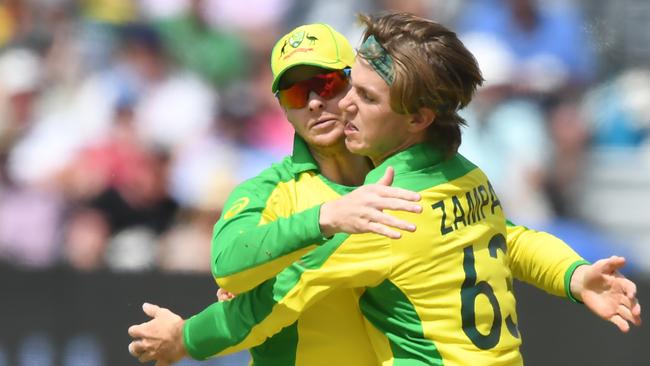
(607,293)
(361,211)
(160,339)
(223,295)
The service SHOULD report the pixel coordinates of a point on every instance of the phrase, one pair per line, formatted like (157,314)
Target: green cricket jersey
(441,295)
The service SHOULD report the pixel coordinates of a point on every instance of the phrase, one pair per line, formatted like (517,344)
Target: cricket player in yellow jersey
(457,263)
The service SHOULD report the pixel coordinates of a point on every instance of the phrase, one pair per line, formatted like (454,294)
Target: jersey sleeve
(541,259)
(250,318)
(251,244)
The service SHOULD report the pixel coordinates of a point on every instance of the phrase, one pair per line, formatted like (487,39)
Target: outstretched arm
(250,318)
(541,259)
(548,263)
(607,293)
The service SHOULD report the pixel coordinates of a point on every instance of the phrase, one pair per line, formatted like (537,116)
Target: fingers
(630,310)
(136,348)
(387,179)
(629,307)
(629,288)
(137,331)
(620,323)
(391,221)
(612,264)
(396,204)
(625,301)
(139,350)
(223,295)
(383,230)
(625,313)
(150,309)
(399,193)
(636,312)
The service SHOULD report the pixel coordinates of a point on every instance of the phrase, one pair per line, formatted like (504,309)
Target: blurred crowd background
(125,124)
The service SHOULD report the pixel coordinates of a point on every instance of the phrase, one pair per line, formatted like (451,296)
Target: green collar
(303,161)
(301,158)
(414,158)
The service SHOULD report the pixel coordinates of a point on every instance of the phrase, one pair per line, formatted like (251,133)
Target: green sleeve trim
(567,279)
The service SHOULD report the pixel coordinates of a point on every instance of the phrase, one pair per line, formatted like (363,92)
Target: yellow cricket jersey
(441,295)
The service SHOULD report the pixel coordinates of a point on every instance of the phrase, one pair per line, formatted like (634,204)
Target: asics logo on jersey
(236,207)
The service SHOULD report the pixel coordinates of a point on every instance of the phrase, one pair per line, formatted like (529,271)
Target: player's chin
(331,137)
(355,145)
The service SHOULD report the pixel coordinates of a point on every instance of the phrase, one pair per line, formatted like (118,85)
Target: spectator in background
(569,132)
(257,22)
(340,14)
(219,56)
(85,240)
(618,111)
(417,7)
(186,245)
(139,211)
(18,23)
(6,24)
(30,218)
(131,216)
(24,204)
(126,197)
(100,24)
(20,82)
(550,48)
(174,106)
(266,128)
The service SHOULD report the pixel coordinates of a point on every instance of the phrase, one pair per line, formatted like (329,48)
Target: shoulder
(266,181)
(439,173)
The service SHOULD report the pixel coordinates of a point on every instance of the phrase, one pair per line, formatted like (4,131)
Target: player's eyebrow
(365,89)
(368,91)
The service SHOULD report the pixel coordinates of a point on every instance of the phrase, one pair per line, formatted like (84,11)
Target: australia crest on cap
(296,38)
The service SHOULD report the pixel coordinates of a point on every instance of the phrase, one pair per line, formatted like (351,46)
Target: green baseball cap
(312,44)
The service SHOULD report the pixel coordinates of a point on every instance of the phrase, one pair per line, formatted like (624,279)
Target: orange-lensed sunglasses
(325,85)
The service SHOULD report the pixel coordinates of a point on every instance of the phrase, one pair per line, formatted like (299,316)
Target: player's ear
(421,119)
